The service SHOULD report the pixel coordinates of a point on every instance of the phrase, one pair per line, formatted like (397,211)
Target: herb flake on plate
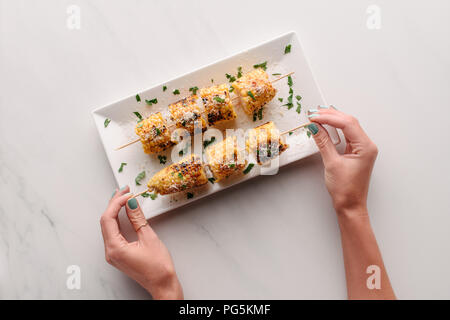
(249,168)
(162,159)
(107,121)
(164,88)
(138,98)
(121,166)
(250,94)
(211,180)
(137,114)
(152,196)
(287,49)
(139,178)
(208,142)
(193,90)
(262,65)
(239,73)
(151,102)
(230,77)
(176,91)
(190,195)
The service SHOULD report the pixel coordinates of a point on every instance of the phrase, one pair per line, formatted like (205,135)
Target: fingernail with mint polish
(313,115)
(313,110)
(132,204)
(114,192)
(324,107)
(313,128)
(123,188)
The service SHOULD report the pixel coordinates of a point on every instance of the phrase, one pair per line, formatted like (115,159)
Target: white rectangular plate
(123,121)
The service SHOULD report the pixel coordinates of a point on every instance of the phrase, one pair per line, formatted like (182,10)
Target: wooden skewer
(140,193)
(296,128)
(236,97)
(283,133)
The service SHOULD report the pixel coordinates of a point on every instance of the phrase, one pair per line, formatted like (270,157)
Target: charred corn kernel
(185,112)
(224,158)
(265,142)
(217,104)
(154,134)
(254,90)
(186,174)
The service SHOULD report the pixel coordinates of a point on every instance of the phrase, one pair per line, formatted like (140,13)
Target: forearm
(361,251)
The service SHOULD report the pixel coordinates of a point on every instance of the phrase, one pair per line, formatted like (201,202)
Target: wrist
(167,288)
(352,211)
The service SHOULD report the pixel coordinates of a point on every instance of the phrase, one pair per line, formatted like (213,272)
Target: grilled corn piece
(186,174)
(217,104)
(154,134)
(185,112)
(254,90)
(224,158)
(266,142)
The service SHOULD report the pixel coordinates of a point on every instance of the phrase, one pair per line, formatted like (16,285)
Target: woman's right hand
(347,175)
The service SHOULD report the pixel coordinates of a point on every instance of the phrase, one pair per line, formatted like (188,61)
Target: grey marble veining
(274,237)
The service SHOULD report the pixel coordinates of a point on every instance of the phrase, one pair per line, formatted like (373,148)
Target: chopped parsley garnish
(262,65)
(232,165)
(162,159)
(308,133)
(153,196)
(249,167)
(250,94)
(260,114)
(255,116)
(231,89)
(180,175)
(138,98)
(211,180)
(219,99)
(193,90)
(290,133)
(287,49)
(290,82)
(280,99)
(299,108)
(239,73)
(212,80)
(176,91)
(138,115)
(289,104)
(184,150)
(276,74)
(208,142)
(230,77)
(151,102)
(164,88)
(139,178)
(190,195)
(298,98)
(158,132)
(107,121)
(121,166)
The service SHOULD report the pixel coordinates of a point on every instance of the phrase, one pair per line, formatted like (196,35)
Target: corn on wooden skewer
(243,96)
(224,159)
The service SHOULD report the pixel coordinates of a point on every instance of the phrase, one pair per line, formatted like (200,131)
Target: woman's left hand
(146,260)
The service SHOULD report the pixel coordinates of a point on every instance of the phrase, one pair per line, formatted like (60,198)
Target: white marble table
(55,179)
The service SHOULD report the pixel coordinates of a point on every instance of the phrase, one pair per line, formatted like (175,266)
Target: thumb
(323,142)
(137,218)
